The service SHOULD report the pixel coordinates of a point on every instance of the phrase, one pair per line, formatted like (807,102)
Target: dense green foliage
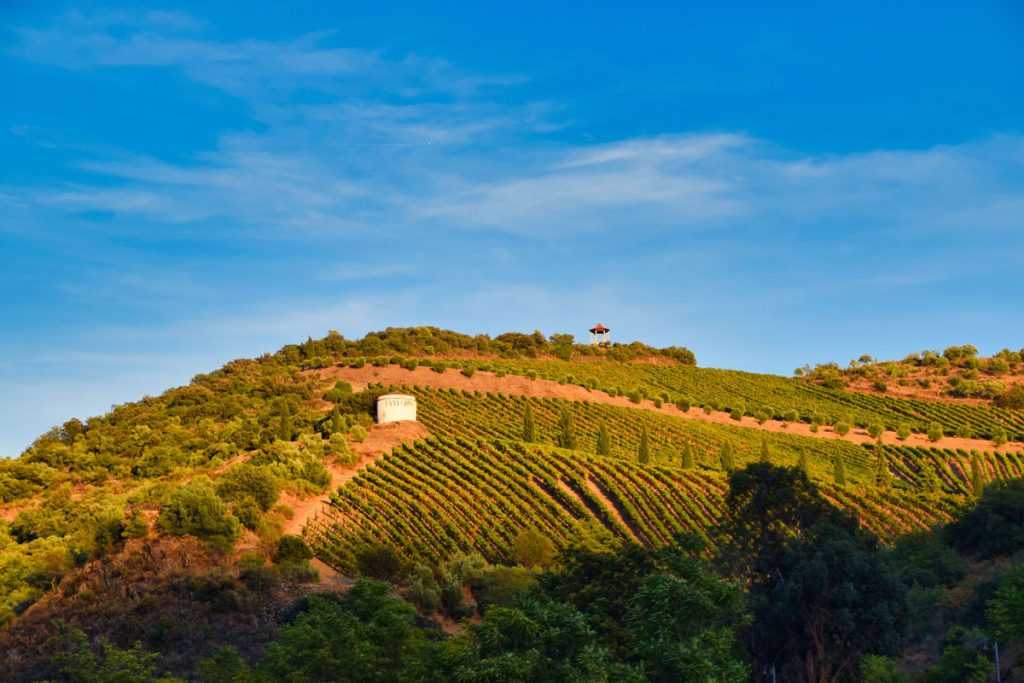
(574,533)
(778,397)
(821,592)
(498,416)
(196,510)
(442,497)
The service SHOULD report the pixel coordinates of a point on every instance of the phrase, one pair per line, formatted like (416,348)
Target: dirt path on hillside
(381,439)
(543,388)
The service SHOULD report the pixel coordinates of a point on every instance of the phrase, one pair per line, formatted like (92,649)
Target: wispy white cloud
(250,68)
(463,211)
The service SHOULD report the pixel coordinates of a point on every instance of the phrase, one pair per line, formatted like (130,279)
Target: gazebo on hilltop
(600,335)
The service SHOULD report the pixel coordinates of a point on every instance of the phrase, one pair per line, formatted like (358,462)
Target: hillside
(955,375)
(526,448)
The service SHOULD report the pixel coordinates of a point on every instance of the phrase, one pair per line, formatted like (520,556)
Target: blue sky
(769,184)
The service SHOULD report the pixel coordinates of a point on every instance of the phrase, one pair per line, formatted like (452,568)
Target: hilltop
(956,375)
(268,480)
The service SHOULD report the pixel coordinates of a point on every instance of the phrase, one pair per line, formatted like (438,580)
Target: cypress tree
(337,426)
(765,455)
(529,426)
(644,453)
(286,430)
(604,440)
(566,430)
(805,463)
(882,478)
(928,479)
(840,471)
(687,460)
(977,477)
(728,459)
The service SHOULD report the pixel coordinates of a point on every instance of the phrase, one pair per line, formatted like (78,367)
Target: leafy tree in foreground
(659,610)
(821,592)
(1006,609)
(81,663)
(684,623)
(537,640)
(994,527)
(367,636)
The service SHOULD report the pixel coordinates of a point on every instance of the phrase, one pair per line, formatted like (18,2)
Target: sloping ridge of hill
(193,502)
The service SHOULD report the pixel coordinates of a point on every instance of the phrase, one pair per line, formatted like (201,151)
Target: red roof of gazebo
(599,328)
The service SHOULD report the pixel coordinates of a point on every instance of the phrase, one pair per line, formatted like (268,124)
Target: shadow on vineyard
(509,535)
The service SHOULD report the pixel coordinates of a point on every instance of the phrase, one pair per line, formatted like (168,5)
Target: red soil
(381,439)
(523,386)
(935,392)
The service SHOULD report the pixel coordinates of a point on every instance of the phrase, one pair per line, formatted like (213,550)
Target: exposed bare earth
(482,381)
(598,493)
(938,385)
(381,439)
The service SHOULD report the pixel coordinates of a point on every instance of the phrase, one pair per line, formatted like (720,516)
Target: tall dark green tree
(822,592)
(604,440)
(728,458)
(883,479)
(284,415)
(994,527)
(977,475)
(928,479)
(765,453)
(805,463)
(566,430)
(337,424)
(643,455)
(686,461)
(658,609)
(839,469)
(529,425)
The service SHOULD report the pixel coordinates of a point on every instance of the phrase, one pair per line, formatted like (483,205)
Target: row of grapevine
(478,415)
(500,416)
(752,392)
(948,470)
(444,496)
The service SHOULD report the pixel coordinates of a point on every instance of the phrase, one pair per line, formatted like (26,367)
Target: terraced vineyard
(443,496)
(498,416)
(952,468)
(725,389)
